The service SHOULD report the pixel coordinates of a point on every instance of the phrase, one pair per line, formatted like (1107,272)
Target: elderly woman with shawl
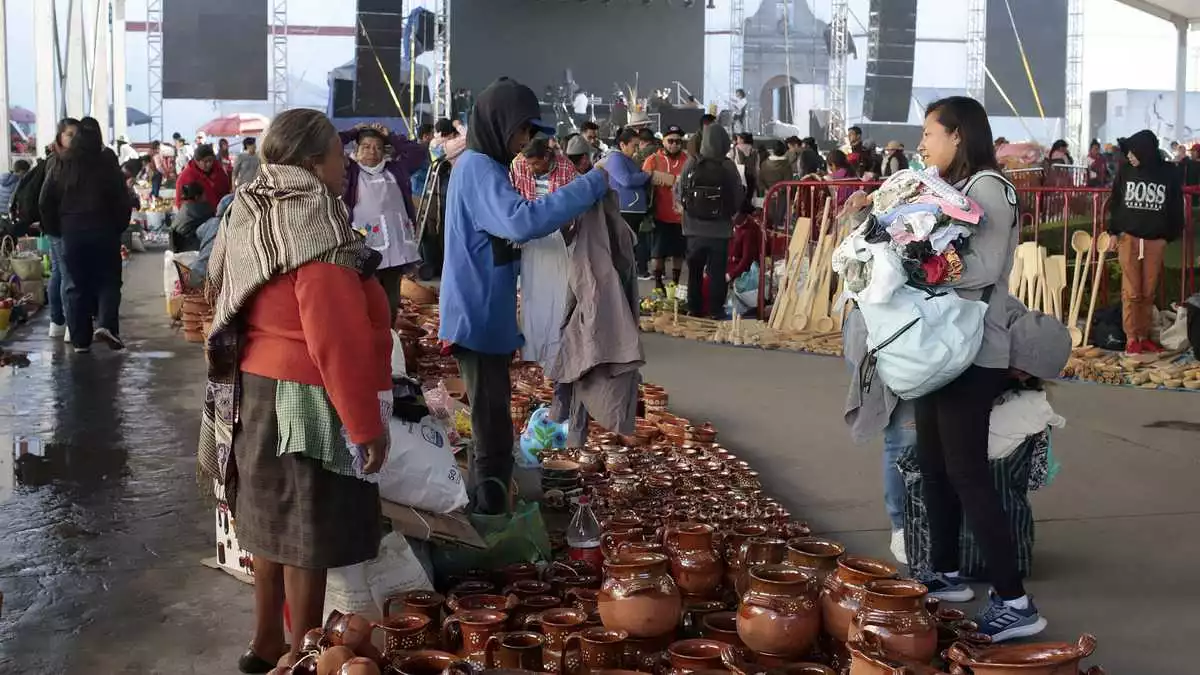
(298,357)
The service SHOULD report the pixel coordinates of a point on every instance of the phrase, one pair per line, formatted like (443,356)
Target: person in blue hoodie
(485,219)
(632,186)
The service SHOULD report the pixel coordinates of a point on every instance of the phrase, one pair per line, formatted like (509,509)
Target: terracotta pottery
(425,662)
(802,669)
(611,540)
(646,654)
(593,649)
(689,656)
(556,624)
(475,627)
(525,588)
(523,571)
(779,614)
(842,595)
(637,547)
(497,603)
(815,554)
(417,602)
(753,552)
(694,612)
(732,545)
(407,632)
(1041,658)
(531,606)
(722,627)
(639,597)
(695,564)
(894,609)
(470,587)
(521,650)
(583,598)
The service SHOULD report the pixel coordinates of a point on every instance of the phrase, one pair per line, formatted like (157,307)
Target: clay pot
(471,587)
(522,571)
(732,545)
(416,602)
(802,669)
(593,649)
(496,603)
(894,609)
(866,657)
(521,650)
(722,627)
(639,547)
(694,561)
(611,540)
(779,614)
(533,606)
(421,295)
(842,595)
(689,656)
(475,626)
(639,597)
(646,654)
(589,461)
(753,552)
(404,632)
(815,554)
(694,612)
(583,599)
(1041,658)
(625,486)
(526,588)
(425,662)
(556,624)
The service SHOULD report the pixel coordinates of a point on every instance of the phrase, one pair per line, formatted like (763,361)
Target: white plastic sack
(421,471)
(1175,335)
(172,284)
(921,342)
(399,367)
(363,588)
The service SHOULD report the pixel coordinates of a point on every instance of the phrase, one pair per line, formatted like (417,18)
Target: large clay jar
(722,627)
(639,597)
(757,551)
(689,656)
(694,562)
(732,546)
(1042,658)
(894,609)
(842,595)
(779,614)
(815,554)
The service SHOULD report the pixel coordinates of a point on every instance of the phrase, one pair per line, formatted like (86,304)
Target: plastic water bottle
(583,535)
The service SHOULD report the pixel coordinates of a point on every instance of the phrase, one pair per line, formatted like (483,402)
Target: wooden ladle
(1081,241)
(1103,243)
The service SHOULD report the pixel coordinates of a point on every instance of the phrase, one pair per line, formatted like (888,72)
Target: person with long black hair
(85,202)
(952,422)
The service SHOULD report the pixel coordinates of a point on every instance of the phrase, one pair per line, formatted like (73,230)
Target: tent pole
(1181,25)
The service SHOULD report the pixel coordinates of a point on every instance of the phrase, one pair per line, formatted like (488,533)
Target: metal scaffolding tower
(737,46)
(839,33)
(1075,76)
(976,48)
(443,95)
(279,56)
(154,62)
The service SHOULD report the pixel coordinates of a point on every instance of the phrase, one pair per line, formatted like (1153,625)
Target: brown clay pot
(689,656)
(611,540)
(556,624)
(732,546)
(841,597)
(639,596)
(475,627)
(694,612)
(470,587)
(425,662)
(802,669)
(531,606)
(523,571)
(757,551)
(779,614)
(646,654)
(417,602)
(406,632)
(638,547)
(526,588)
(1042,658)
(521,650)
(722,627)
(695,564)
(815,554)
(497,603)
(593,649)
(894,610)
(583,598)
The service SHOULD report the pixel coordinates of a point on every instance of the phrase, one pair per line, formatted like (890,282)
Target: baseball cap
(672,130)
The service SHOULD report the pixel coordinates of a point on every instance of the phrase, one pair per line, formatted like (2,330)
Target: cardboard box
(450,527)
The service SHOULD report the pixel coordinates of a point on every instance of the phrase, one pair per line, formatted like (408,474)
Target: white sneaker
(897,547)
(66,336)
(57,330)
(105,335)
(82,350)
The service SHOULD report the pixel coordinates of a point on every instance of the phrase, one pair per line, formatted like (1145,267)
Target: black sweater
(1147,200)
(97,204)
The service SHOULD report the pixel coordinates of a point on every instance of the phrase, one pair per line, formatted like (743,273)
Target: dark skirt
(289,509)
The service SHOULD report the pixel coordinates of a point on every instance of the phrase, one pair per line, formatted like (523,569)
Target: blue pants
(92,284)
(54,296)
(900,435)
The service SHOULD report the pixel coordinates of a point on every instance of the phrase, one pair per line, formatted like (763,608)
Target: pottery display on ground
(639,596)
(732,546)
(695,564)
(520,650)
(407,631)
(756,551)
(416,602)
(815,554)
(474,627)
(894,610)
(779,613)
(696,655)
(866,657)
(426,662)
(556,624)
(591,649)
(1039,658)
(842,594)
(722,627)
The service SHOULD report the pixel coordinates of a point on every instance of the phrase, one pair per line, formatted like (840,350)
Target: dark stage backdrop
(215,49)
(1042,25)
(534,41)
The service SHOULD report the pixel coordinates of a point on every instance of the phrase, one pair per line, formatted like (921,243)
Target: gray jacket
(714,144)
(867,412)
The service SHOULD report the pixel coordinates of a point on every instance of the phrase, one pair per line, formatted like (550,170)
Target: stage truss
(737,45)
(154,64)
(1075,77)
(838,33)
(443,94)
(976,48)
(279,56)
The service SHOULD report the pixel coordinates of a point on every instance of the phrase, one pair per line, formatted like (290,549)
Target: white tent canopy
(1183,14)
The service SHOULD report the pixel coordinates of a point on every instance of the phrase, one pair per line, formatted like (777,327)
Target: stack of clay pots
(196,316)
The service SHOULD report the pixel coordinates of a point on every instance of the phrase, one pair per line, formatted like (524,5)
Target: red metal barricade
(1049,214)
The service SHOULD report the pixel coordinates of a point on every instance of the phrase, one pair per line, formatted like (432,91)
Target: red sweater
(216,183)
(745,248)
(324,325)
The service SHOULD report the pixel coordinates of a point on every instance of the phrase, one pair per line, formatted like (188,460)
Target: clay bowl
(561,469)
(419,294)
(457,388)
(490,601)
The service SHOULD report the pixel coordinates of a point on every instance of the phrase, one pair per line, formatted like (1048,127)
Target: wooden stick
(1102,244)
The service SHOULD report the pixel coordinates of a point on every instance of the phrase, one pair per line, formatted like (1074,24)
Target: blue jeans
(92,284)
(54,295)
(900,435)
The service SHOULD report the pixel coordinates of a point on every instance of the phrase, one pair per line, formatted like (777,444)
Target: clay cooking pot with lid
(1042,658)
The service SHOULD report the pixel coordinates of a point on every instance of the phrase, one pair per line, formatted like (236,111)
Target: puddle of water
(1178,425)
(151,355)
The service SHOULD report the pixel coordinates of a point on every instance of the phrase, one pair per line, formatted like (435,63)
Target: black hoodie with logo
(1147,200)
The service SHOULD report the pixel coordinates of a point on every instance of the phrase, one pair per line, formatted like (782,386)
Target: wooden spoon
(1103,242)
(1056,281)
(1081,241)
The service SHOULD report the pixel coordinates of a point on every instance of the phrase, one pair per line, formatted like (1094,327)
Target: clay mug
(475,627)
(593,649)
(556,624)
(779,614)
(583,598)
(403,632)
(424,662)
(417,602)
(522,571)
(815,554)
(521,650)
(894,610)
(639,596)
(689,656)
(525,588)
(756,551)
(842,595)
(470,587)
(1039,658)
(531,606)
(496,603)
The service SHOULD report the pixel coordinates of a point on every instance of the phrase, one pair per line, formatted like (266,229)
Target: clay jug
(533,606)
(1041,658)
(757,551)
(689,656)
(779,614)
(815,554)
(593,649)
(556,624)
(894,609)
(417,602)
(866,657)
(841,597)
(405,632)
(733,545)
(639,597)
(521,650)
(425,662)
(694,562)
(475,627)
(722,627)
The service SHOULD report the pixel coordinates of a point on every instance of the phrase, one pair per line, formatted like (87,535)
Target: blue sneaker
(1001,622)
(946,589)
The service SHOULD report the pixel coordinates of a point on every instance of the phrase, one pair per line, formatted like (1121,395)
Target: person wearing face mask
(667,240)
(485,218)
(378,195)
(204,169)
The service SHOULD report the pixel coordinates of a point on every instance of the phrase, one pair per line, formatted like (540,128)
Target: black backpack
(25,207)
(703,195)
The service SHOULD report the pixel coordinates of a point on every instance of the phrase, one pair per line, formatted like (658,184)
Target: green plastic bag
(514,537)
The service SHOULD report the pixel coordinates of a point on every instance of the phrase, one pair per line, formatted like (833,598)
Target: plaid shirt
(522,177)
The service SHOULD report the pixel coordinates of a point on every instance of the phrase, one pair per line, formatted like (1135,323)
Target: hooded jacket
(714,144)
(629,181)
(1147,200)
(186,223)
(485,214)
(8,187)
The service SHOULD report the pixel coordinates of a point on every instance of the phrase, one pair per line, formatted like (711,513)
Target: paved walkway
(100,543)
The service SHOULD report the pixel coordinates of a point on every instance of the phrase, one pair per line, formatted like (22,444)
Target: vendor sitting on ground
(194,213)
(204,170)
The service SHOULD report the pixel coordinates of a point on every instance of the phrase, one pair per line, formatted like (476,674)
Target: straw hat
(893,145)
